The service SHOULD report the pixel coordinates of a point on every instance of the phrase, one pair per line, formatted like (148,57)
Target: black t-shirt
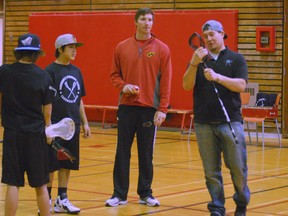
(25,89)
(207,107)
(68,81)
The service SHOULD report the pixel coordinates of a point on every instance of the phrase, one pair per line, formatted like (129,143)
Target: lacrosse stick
(64,129)
(62,153)
(195,41)
(155,133)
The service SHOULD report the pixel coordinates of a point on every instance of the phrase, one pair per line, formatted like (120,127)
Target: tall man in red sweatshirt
(142,71)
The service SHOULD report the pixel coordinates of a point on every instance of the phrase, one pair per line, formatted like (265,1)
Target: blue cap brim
(27,48)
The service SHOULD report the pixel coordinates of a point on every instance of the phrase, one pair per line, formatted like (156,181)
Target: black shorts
(24,153)
(73,146)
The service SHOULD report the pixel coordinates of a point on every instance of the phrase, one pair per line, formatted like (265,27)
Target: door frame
(285,75)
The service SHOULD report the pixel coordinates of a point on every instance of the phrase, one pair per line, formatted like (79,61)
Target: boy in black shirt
(26,92)
(69,84)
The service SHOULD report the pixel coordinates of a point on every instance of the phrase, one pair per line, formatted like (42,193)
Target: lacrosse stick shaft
(155,133)
(224,109)
(225,112)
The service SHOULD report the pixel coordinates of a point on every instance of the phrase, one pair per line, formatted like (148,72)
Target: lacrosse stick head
(62,153)
(195,41)
(64,129)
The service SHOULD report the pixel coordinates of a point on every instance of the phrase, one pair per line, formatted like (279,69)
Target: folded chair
(266,108)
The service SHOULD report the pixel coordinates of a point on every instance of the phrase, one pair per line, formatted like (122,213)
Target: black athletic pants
(134,120)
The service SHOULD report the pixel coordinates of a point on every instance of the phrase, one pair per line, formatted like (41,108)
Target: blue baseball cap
(28,42)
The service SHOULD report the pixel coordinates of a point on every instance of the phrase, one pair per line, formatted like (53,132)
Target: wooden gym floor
(178,179)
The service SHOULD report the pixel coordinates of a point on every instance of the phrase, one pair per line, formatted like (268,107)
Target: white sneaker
(149,201)
(50,201)
(115,201)
(65,206)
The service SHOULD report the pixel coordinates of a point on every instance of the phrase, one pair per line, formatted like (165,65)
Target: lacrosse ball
(136,90)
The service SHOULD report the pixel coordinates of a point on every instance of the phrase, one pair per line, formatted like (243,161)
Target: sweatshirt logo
(150,54)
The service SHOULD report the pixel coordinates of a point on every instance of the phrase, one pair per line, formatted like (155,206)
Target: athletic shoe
(149,201)
(240,211)
(50,201)
(65,206)
(115,201)
(215,213)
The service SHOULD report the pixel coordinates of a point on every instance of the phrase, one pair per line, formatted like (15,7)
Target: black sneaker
(240,211)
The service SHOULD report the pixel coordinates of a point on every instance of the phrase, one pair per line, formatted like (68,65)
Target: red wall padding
(101,31)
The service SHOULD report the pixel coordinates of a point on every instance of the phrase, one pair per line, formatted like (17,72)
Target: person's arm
(47,111)
(0,108)
(164,87)
(190,73)
(116,76)
(237,83)
(189,77)
(165,80)
(85,125)
(233,84)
